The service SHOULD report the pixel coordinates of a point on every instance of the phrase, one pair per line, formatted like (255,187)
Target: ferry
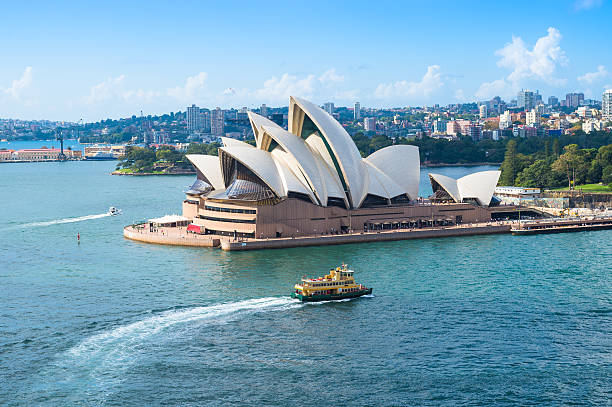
(336,285)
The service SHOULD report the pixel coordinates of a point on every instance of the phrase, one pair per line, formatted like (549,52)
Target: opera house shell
(309,180)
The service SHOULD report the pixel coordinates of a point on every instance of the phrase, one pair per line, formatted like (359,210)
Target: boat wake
(65,220)
(102,358)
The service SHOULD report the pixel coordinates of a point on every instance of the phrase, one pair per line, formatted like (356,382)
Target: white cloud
(540,62)
(193,86)
(19,85)
(498,87)
(587,4)
(279,89)
(596,76)
(109,89)
(429,83)
(229,91)
(459,95)
(330,77)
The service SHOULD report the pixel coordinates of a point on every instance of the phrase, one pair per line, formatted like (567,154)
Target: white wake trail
(66,220)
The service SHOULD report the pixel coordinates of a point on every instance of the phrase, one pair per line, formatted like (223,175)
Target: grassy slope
(589,188)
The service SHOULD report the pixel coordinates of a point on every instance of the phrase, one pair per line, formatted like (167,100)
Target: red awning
(194,228)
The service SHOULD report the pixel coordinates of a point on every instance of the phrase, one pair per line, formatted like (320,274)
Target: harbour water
(498,319)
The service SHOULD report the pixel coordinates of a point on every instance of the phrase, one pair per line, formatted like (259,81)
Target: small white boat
(112,211)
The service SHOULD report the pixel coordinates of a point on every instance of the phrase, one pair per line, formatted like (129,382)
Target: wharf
(562,226)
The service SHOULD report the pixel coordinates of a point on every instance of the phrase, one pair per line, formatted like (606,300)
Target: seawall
(363,237)
(175,239)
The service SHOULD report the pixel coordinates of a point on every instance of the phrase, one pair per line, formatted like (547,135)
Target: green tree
(509,168)
(573,163)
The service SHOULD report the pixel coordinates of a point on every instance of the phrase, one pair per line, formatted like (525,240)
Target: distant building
(474,131)
(606,105)
(574,99)
(194,120)
(278,118)
(217,122)
(329,108)
(263,110)
(357,111)
(553,101)
(526,99)
(505,120)
(369,124)
(585,112)
(483,111)
(532,117)
(439,126)
(593,125)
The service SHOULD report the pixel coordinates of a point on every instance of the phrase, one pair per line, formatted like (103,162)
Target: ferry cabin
(338,281)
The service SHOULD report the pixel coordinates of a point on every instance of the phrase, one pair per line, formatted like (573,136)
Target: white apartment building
(369,124)
(606,105)
(505,120)
(532,117)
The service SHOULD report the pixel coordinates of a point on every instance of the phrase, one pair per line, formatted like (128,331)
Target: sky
(97,60)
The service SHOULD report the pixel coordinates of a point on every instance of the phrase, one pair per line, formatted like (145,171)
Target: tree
(510,164)
(573,162)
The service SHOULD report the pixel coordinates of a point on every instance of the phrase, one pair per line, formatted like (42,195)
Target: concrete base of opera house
(180,237)
(176,236)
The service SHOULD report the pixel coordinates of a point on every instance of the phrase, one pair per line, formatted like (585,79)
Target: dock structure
(561,226)
(174,236)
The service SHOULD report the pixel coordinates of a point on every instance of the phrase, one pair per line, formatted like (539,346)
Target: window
(229,210)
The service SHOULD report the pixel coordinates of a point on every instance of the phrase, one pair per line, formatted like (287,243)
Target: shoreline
(457,165)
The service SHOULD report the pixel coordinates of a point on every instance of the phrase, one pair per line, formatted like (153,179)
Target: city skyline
(127,59)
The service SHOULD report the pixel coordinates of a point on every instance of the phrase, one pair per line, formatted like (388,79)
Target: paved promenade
(179,236)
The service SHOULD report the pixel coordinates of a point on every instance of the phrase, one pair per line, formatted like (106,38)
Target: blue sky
(72,60)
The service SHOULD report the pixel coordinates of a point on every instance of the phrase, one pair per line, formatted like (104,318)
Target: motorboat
(112,211)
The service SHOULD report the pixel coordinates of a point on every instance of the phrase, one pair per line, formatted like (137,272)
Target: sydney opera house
(312,180)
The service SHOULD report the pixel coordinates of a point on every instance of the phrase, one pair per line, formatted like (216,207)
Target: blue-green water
(500,320)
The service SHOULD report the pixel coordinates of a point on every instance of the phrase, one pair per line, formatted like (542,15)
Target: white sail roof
(210,167)
(479,186)
(402,164)
(261,163)
(343,151)
(256,122)
(303,160)
(381,184)
(229,142)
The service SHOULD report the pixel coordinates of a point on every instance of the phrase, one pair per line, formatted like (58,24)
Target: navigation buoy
(78,238)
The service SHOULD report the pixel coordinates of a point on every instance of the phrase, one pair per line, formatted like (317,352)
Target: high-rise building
(537,98)
(217,122)
(525,99)
(553,101)
(606,105)
(483,111)
(439,126)
(329,107)
(194,121)
(263,110)
(369,124)
(357,111)
(574,99)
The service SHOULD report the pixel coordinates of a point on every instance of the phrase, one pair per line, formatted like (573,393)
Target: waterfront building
(606,105)
(357,111)
(217,122)
(369,124)
(311,180)
(38,154)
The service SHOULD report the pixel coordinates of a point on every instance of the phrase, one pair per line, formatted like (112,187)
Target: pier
(562,226)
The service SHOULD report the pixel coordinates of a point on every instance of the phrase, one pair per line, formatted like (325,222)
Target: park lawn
(589,188)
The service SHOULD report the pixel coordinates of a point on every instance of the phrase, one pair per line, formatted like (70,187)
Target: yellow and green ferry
(337,285)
